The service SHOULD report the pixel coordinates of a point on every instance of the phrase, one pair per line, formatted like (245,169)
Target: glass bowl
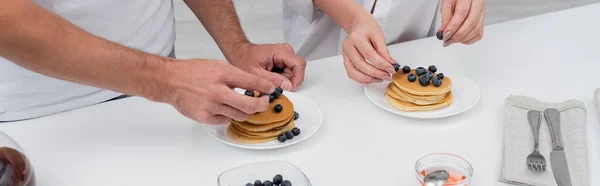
(242,175)
(15,169)
(460,170)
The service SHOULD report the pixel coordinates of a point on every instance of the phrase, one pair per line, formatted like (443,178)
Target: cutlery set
(536,161)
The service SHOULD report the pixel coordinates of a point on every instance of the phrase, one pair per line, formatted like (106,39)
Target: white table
(137,142)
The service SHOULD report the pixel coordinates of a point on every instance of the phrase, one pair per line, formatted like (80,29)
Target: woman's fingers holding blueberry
(356,74)
(359,62)
(470,23)
(477,33)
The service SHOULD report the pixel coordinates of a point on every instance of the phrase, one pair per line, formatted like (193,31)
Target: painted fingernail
(286,86)
(448,35)
(386,77)
(390,70)
(448,43)
(375,80)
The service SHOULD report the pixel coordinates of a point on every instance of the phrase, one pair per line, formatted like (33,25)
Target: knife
(558,158)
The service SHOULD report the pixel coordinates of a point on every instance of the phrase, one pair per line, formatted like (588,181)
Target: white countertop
(552,57)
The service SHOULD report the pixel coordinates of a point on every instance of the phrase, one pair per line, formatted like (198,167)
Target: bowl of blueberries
(268,173)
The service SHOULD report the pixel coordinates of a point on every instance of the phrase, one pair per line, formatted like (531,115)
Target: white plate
(465,91)
(309,122)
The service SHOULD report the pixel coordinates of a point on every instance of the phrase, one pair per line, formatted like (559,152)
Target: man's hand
(462,21)
(262,60)
(221,21)
(203,91)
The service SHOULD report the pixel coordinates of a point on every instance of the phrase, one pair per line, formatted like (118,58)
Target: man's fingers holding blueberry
(246,104)
(275,78)
(230,112)
(240,79)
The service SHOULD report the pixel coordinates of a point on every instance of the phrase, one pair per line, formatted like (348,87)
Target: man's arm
(41,41)
(221,21)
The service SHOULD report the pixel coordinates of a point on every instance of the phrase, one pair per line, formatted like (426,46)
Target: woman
(361,29)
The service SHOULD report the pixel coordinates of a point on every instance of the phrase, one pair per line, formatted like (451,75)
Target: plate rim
(408,115)
(208,127)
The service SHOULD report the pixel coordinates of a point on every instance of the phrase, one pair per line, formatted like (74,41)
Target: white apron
(315,35)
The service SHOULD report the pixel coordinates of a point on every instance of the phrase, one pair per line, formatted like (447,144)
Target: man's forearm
(43,42)
(344,12)
(222,23)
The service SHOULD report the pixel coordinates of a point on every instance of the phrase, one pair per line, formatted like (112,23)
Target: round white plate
(309,122)
(465,91)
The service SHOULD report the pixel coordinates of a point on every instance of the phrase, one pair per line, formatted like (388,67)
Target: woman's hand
(462,21)
(365,53)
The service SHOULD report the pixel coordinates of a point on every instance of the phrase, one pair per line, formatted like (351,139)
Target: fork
(535,160)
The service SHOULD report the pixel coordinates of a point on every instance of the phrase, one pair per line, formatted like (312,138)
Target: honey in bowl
(456,177)
(460,171)
(15,169)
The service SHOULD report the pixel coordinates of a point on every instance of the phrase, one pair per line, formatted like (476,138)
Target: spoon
(436,178)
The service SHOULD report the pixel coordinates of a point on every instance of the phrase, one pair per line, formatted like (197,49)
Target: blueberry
(296,131)
(277,70)
(249,184)
(279,89)
(271,98)
(432,68)
(440,75)
(278,108)
(286,183)
(268,183)
(396,66)
(276,94)
(440,35)
(406,69)
(277,179)
(281,138)
(420,71)
(296,115)
(258,183)
(430,74)
(424,80)
(249,93)
(289,135)
(436,81)
(412,77)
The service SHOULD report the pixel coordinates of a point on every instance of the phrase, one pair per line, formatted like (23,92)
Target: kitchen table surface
(552,57)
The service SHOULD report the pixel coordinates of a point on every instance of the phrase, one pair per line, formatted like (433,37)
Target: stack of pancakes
(264,126)
(412,96)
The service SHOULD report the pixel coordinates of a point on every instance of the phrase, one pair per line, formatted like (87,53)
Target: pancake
(239,137)
(416,99)
(271,133)
(270,116)
(391,93)
(415,88)
(411,107)
(246,126)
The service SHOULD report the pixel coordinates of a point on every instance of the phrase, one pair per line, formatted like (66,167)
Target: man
(59,55)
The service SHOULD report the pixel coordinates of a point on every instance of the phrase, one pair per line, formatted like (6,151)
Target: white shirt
(314,35)
(147,25)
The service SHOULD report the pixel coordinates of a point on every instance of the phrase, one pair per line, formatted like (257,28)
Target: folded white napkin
(518,142)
